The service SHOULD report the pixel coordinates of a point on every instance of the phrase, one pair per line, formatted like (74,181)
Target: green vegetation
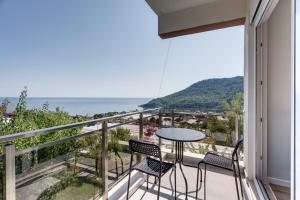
(74,153)
(189,126)
(119,134)
(203,95)
(23,119)
(78,192)
(88,149)
(108,114)
(71,187)
(215,126)
(115,147)
(234,112)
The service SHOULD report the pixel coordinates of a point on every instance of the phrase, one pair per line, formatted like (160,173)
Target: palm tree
(234,113)
(115,147)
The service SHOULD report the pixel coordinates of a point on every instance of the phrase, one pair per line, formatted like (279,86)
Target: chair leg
(240,180)
(198,169)
(129,174)
(175,178)
(158,192)
(147,181)
(117,171)
(197,182)
(204,181)
(200,175)
(127,197)
(236,183)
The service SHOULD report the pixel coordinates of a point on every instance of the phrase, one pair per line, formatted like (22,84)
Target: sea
(82,105)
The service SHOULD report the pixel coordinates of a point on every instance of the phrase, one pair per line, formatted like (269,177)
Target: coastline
(86,106)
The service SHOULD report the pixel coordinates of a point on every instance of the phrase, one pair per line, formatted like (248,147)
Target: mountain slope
(203,95)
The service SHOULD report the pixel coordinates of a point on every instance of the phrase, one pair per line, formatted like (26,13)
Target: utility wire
(164,68)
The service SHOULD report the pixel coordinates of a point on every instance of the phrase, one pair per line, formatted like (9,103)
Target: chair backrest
(236,147)
(144,148)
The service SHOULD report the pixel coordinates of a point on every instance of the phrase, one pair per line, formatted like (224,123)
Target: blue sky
(79,48)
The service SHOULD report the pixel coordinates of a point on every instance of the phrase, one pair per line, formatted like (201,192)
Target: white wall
(253,4)
(295,187)
(215,12)
(249,101)
(256,9)
(279,94)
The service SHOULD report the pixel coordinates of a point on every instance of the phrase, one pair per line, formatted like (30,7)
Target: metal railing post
(141,127)
(237,130)
(10,176)
(173,118)
(104,161)
(173,125)
(159,124)
(141,133)
(237,127)
(160,119)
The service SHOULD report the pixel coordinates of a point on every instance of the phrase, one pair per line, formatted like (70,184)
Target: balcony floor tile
(220,185)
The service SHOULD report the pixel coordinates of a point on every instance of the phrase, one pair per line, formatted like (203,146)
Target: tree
(3,110)
(24,119)
(213,124)
(234,113)
(115,147)
(93,145)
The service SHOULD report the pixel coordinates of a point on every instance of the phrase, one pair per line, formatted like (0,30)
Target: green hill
(203,95)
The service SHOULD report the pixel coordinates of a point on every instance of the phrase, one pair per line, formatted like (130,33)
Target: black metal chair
(152,165)
(216,160)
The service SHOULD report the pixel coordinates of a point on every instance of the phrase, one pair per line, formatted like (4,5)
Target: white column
(249,100)
(10,175)
(295,105)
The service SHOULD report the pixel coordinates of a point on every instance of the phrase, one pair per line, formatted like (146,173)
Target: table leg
(175,178)
(179,159)
(186,185)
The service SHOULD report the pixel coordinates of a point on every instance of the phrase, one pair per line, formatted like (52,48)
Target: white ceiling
(167,6)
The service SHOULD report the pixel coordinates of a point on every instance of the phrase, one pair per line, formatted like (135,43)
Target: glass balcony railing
(93,159)
(84,165)
(220,132)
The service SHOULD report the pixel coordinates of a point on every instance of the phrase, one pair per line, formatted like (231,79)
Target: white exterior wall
(253,4)
(218,11)
(279,94)
(249,101)
(295,194)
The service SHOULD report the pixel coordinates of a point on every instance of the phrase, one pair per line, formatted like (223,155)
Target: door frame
(258,167)
(261,103)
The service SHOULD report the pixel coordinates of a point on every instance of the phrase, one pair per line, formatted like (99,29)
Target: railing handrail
(27,134)
(186,113)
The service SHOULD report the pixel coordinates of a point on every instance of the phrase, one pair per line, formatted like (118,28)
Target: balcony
(220,185)
(94,163)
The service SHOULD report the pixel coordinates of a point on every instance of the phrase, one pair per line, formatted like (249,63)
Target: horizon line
(77,97)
